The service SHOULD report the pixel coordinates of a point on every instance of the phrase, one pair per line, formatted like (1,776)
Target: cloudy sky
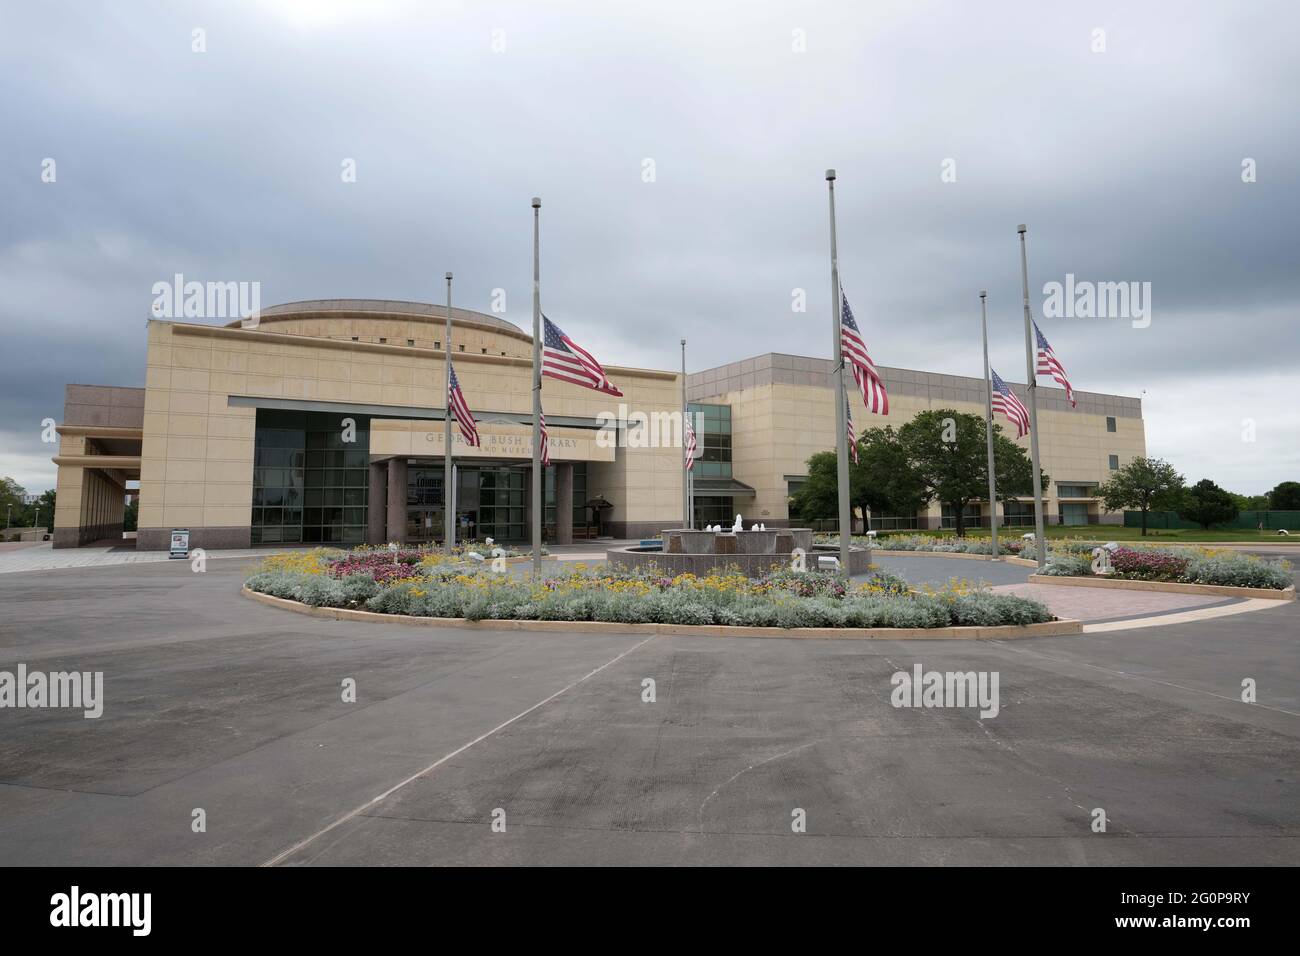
(1125,162)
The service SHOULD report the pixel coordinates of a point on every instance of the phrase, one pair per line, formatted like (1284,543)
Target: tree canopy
(1206,504)
(938,455)
(1143,484)
(1285,497)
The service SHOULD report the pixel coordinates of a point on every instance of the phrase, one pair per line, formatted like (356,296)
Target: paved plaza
(217,703)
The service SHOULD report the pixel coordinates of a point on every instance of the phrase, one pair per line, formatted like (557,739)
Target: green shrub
(1238,570)
(985,609)
(1064,564)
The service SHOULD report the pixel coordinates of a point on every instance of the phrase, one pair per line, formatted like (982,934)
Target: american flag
(853,435)
(546,441)
(691,443)
(854,349)
(464,418)
(568,361)
(1049,364)
(1005,401)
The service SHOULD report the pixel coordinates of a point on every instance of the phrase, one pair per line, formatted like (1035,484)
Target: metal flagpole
(686,475)
(1040,539)
(690,492)
(448,508)
(988,429)
(841,445)
(537,389)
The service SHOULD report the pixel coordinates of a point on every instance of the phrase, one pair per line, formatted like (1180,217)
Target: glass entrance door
(424,504)
(423,525)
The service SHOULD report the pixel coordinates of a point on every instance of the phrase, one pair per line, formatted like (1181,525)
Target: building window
(485,351)
(309,486)
(971,517)
(1075,513)
(410,342)
(1114,462)
(580,512)
(437,345)
(711,509)
(1017,514)
(713,431)
(1110,423)
(462,348)
(354,338)
(1075,491)
(383,341)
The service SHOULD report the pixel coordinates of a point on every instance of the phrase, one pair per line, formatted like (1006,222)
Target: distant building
(763,417)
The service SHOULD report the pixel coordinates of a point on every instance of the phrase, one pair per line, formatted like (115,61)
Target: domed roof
(383,309)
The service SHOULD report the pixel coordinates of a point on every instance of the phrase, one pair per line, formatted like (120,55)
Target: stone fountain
(754,551)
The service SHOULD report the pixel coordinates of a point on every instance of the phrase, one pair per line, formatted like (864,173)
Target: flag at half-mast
(464,418)
(1049,364)
(1005,401)
(566,360)
(848,424)
(690,442)
(854,350)
(546,439)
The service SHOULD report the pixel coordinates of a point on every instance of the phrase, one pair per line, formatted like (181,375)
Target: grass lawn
(1108,532)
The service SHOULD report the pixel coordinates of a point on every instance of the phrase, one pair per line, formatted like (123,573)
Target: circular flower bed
(782,599)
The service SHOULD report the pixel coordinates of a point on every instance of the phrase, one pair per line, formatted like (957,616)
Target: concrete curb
(1001,633)
(1005,559)
(1221,590)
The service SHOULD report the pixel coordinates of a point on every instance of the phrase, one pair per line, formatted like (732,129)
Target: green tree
(817,498)
(1206,504)
(131,514)
(1015,470)
(1285,497)
(1250,502)
(42,512)
(948,453)
(1143,484)
(11,501)
(884,480)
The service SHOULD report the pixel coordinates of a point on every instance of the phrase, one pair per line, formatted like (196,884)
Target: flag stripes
(458,406)
(691,444)
(564,359)
(546,440)
(1049,364)
(854,350)
(1006,402)
(853,437)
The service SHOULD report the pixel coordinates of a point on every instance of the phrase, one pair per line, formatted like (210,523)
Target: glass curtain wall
(310,486)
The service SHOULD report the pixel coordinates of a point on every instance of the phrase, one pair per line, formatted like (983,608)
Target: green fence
(1246,520)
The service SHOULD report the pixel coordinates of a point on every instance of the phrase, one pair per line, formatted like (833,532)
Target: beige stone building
(782,411)
(323,423)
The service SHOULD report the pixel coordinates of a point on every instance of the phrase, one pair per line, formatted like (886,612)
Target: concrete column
(377,503)
(395,520)
(564,503)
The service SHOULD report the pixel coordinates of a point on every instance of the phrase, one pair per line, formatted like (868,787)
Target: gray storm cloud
(225,165)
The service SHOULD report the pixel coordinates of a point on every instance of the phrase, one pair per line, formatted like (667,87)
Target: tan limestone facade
(206,441)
